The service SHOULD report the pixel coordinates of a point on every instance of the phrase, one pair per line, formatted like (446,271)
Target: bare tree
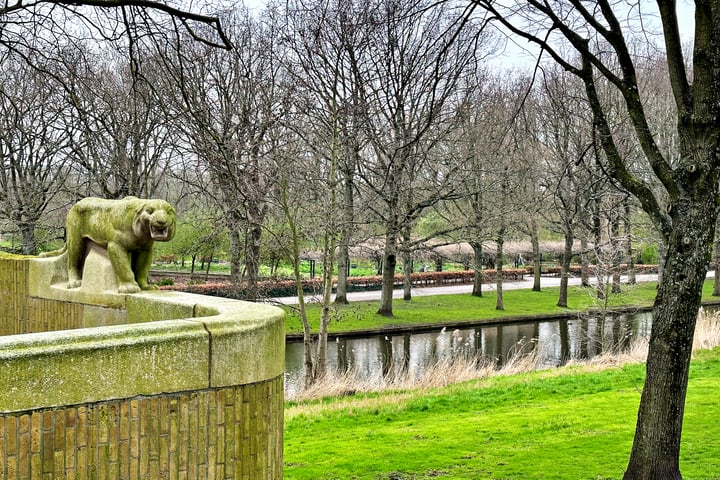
(566,133)
(476,139)
(42,32)
(126,143)
(34,147)
(407,84)
(231,104)
(685,210)
(291,203)
(325,38)
(38,30)
(534,197)
(329,38)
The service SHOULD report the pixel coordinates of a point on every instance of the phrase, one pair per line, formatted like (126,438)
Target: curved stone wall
(150,385)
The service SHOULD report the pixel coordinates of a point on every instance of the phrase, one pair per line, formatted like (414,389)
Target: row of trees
(317,131)
(234,125)
(324,124)
(321,123)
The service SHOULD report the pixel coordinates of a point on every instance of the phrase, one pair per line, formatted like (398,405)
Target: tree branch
(186,17)
(626,83)
(617,168)
(675,58)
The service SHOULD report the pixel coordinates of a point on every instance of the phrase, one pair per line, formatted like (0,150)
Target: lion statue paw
(129,288)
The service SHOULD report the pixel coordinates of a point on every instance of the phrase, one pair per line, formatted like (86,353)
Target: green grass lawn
(464,307)
(555,424)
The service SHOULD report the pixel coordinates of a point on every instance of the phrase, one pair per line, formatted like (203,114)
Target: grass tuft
(707,330)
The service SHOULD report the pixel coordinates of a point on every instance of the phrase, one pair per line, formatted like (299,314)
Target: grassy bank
(464,307)
(571,423)
(574,422)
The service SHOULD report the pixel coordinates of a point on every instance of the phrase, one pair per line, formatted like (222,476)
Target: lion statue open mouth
(127,228)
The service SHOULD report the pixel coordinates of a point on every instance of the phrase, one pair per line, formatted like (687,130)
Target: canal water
(553,341)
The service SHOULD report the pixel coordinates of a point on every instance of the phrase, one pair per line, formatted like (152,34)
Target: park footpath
(545,282)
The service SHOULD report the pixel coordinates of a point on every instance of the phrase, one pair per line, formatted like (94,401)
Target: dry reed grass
(707,330)
(402,385)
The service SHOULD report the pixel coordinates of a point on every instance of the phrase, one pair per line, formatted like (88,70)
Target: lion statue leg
(75,246)
(142,261)
(120,260)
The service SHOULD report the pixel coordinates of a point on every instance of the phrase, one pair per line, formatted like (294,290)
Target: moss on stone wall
(198,397)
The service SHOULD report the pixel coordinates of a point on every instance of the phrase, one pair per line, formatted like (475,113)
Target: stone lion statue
(127,228)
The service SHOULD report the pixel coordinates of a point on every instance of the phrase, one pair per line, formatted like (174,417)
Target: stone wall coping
(172,342)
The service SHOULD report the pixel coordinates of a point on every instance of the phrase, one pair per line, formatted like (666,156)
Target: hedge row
(575,270)
(287,288)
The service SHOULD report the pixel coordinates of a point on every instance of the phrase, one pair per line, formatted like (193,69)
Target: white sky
(514,57)
(517,56)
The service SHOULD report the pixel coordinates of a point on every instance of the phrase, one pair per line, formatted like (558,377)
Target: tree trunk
(537,260)
(632,280)
(209,263)
(388,274)
(301,310)
(629,246)
(407,275)
(328,262)
(500,302)
(656,447)
(29,242)
(477,266)
(235,255)
(616,250)
(307,357)
(565,270)
(346,232)
(343,273)
(662,250)
(407,265)
(252,262)
(584,263)
(599,262)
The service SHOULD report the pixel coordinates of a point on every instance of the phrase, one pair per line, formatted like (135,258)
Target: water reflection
(555,342)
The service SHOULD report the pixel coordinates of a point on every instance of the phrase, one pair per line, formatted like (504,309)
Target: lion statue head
(154,220)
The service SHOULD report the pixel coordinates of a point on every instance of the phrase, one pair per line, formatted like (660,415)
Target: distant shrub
(313,286)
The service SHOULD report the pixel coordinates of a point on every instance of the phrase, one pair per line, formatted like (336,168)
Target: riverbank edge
(487,322)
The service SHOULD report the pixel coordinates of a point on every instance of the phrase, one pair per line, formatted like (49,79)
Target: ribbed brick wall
(20,313)
(13,296)
(230,433)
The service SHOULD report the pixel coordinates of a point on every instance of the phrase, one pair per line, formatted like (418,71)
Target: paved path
(450,289)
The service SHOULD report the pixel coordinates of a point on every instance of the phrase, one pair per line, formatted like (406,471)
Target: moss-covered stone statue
(127,228)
